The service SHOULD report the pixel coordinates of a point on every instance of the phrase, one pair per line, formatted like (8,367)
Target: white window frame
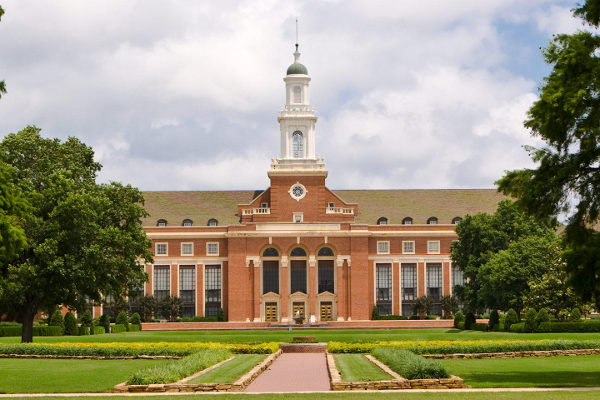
(208,253)
(295,219)
(157,253)
(413,247)
(433,242)
(192,247)
(264,205)
(385,243)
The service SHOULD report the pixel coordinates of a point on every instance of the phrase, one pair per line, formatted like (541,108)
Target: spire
(296,53)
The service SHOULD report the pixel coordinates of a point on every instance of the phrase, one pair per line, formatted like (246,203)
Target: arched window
(432,221)
(325,252)
(407,221)
(213,222)
(297,147)
(297,94)
(270,252)
(382,221)
(456,220)
(186,222)
(298,252)
(161,222)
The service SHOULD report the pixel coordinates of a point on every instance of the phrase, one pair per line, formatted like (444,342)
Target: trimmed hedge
(83,330)
(118,328)
(134,328)
(517,328)
(99,330)
(198,319)
(37,330)
(479,327)
(409,365)
(570,327)
(391,317)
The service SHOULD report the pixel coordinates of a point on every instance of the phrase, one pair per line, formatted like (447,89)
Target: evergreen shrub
(575,315)
(99,330)
(105,322)
(530,320)
(494,320)
(122,320)
(57,320)
(135,319)
(458,318)
(542,316)
(510,319)
(519,327)
(118,328)
(469,320)
(70,324)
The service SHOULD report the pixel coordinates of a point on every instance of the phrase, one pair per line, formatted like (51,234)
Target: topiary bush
(469,320)
(519,327)
(575,315)
(122,320)
(70,325)
(511,318)
(458,318)
(105,322)
(117,328)
(494,320)
(541,317)
(57,320)
(530,320)
(88,321)
(135,319)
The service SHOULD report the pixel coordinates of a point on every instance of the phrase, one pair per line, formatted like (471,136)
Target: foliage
(16,330)
(423,306)
(176,370)
(70,324)
(551,291)
(134,328)
(135,319)
(458,317)
(518,328)
(147,306)
(541,317)
(87,320)
(118,328)
(409,365)
(530,320)
(57,320)
(494,320)
(221,315)
(375,312)
(575,315)
(84,239)
(511,318)
(99,330)
(232,370)
(562,327)
(565,181)
(170,307)
(198,319)
(469,320)
(105,322)
(449,306)
(480,237)
(116,306)
(122,320)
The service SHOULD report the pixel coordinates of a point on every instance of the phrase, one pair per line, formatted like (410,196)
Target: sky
(184,95)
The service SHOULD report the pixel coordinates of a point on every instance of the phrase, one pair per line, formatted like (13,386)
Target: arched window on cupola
(382,221)
(432,221)
(297,145)
(456,220)
(407,221)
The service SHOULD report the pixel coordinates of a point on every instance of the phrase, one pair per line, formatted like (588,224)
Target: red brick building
(300,248)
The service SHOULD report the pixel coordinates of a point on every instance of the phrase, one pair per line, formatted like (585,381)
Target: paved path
(294,372)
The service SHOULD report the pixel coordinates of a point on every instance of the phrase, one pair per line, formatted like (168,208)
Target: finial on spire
(296,34)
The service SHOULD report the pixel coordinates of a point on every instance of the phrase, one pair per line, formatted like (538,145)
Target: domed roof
(297,68)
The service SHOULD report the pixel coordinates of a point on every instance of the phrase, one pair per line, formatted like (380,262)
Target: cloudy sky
(184,95)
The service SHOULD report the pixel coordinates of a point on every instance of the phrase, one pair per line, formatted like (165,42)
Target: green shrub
(518,327)
(135,328)
(147,305)
(409,365)
(83,330)
(494,320)
(105,322)
(70,324)
(458,317)
(87,320)
(47,331)
(469,320)
(10,330)
(575,315)
(570,327)
(135,319)
(57,320)
(511,318)
(123,320)
(197,319)
(117,328)
(461,325)
(530,320)
(99,330)
(391,317)
(375,312)
(176,370)
(479,327)
(541,317)
(544,327)
(423,306)
(221,316)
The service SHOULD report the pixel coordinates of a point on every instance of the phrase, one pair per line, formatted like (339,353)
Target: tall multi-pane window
(270,276)
(434,281)
(409,287)
(162,283)
(297,146)
(458,278)
(187,289)
(298,276)
(326,276)
(133,299)
(383,287)
(212,299)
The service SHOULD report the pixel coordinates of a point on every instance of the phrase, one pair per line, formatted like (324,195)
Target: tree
(505,278)
(84,239)
(567,118)
(147,307)
(480,237)
(449,306)
(423,306)
(171,307)
(550,291)
(70,324)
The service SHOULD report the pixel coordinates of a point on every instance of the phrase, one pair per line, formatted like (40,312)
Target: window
(212,299)
(270,277)
(407,221)
(297,147)
(458,278)
(298,217)
(212,222)
(264,205)
(456,220)
(298,252)
(326,276)
(161,249)
(432,220)
(162,284)
(212,249)
(297,191)
(434,281)
(382,221)
(409,282)
(325,252)
(383,288)
(408,247)
(433,247)
(186,222)
(187,289)
(270,252)
(187,249)
(331,205)
(297,94)
(383,247)
(161,222)
(298,276)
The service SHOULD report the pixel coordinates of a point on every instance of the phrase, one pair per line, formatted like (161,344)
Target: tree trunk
(29,312)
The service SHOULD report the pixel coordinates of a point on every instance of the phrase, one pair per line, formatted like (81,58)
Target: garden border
(514,354)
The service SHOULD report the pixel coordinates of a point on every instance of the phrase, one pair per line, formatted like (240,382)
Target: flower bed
(410,365)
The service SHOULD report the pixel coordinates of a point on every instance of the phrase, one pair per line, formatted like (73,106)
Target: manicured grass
(356,367)
(232,370)
(57,376)
(528,372)
(324,335)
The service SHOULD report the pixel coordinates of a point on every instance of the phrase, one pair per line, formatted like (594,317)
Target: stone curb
(60,356)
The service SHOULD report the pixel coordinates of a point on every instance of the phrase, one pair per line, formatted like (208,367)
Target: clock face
(297,191)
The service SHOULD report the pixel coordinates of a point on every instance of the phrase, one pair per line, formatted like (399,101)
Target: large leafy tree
(84,239)
(567,180)
(480,237)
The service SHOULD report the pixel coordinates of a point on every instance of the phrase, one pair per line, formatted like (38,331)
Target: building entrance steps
(294,372)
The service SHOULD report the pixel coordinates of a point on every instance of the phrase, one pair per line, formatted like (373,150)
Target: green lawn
(232,370)
(58,376)
(528,372)
(325,335)
(356,367)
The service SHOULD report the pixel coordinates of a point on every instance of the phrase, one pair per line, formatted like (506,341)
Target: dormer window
(297,94)
(213,222)
(407,221)
(264,205)
(456,220)
(297,145)
(161,222)
(432,221)
(382,221)
(186,222)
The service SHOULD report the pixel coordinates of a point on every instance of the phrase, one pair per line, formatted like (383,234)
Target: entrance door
(326,311)
(298,310)
(271,312)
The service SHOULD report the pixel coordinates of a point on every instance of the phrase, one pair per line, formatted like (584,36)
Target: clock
(297,191)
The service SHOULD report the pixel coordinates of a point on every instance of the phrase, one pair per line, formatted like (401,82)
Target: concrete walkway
(293,372)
